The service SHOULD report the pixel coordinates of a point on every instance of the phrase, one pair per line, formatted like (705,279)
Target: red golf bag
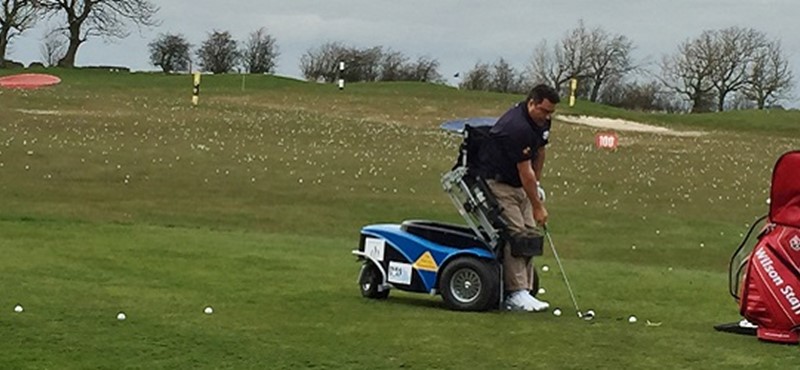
(770,274)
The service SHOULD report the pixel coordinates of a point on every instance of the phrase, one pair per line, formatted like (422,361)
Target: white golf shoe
(538,305)
(521,300)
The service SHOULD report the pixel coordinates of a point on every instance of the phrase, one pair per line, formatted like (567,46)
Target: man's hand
(540,214)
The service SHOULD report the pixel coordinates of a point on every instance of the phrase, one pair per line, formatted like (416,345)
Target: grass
(119,196)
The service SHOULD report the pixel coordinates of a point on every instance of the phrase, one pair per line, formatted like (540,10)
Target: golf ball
(121,316)
(208,310)
(18,308)
(588,315)
(545,268)
(557,312)
(632,319)
(541,291)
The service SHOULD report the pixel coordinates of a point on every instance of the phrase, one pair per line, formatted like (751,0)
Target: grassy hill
(118,195)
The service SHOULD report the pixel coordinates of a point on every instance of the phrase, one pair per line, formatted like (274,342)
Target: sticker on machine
(374,248)
(399,273)
(426,262)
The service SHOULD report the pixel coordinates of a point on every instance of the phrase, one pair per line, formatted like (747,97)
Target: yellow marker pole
(573,85)
(196,89)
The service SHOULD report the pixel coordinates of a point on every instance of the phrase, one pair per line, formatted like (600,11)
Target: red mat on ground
(28,80)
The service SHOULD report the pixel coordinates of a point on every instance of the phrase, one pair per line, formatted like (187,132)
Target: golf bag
(768,278)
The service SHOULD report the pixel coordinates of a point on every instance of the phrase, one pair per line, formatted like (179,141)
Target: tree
(770,77)
(16,17)
(260,52)
(478,78)
(644,96)
(219,53)
(361,64)
(733,53)
(545,67)
(688,71)
(425,69)
(53,47)
(505,78)
(93,18)
(590,56)
(729,62)
(392,66)
(322,63)
(609,58)
(170,52)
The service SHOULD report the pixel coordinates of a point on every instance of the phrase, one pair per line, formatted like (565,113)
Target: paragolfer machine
(765,281)
(462,263)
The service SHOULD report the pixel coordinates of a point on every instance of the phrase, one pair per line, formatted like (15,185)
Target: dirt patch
(623,125)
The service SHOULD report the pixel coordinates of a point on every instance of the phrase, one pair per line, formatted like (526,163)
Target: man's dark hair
(541,92)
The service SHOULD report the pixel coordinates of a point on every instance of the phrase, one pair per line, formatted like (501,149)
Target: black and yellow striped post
(341,75)
(573,86)
(196,89)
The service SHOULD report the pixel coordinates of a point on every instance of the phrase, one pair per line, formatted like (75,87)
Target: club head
(586,315)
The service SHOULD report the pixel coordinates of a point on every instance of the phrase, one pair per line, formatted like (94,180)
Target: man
(512,164)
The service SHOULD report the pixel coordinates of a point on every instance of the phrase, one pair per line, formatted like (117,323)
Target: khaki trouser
(517,271)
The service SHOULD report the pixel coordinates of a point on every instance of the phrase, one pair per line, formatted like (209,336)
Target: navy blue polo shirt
(514,138)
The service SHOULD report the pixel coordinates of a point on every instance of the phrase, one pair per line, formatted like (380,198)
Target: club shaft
(563,273)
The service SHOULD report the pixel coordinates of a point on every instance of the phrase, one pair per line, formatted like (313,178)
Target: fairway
(118,195)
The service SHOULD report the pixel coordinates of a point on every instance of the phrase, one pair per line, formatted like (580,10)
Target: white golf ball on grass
(208,310)
(557,312)
(121,316)
(545,268)
(18,308)
(632,319)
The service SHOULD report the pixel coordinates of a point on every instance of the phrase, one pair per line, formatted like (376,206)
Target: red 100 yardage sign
(606,140)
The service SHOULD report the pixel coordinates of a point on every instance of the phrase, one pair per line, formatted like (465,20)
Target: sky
(456,33)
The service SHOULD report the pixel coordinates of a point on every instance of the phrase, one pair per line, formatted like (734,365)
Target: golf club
(588,315)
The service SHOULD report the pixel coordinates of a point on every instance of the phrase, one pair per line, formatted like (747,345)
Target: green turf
(117,195)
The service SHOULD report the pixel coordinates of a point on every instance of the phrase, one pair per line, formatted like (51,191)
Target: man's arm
(538,163)
(528,179)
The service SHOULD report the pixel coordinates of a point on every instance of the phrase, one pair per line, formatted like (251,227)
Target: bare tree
(590,56)
(170,52)
(361,64)
(219,53)
(16,17)
(723,63)
(576,54)
(53,47)
(688,71)
(98,18)
(545,66)
(478,78)
(392,66)
(425,69)
(609,58)
(770,77)
(505,78)
(733,53)
(322,63)
(260,52)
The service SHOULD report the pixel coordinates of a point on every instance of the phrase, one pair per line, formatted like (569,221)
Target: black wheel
(369,281)
(470,284)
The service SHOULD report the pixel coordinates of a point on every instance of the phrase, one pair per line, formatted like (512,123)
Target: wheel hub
(465,285)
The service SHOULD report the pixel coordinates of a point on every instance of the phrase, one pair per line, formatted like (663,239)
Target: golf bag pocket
(526,244)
